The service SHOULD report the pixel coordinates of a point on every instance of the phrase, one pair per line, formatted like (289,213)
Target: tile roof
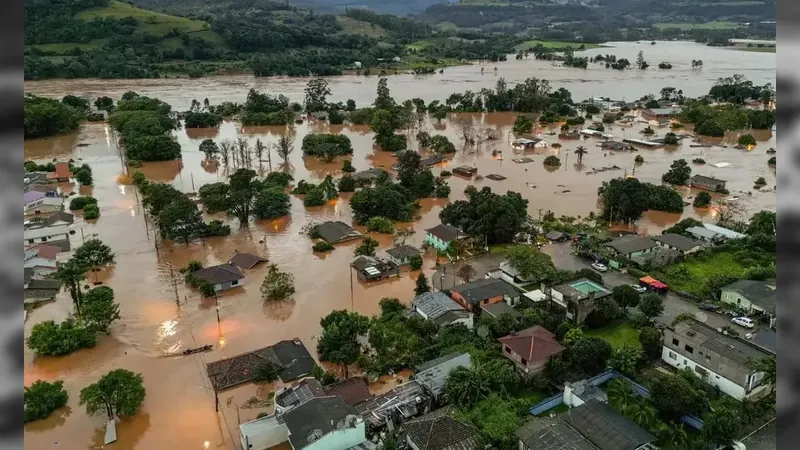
(551,434)
(535,344)
(290,355)
(446,232)
(222,273)
(605,428)
(626,245)
(246,260)
(62,171)
(477,291)
(48,251)
(403,251)
(352,390)
(676,240)
(337,231)
(758,292)
(316,418)
(438,431)
(435,304)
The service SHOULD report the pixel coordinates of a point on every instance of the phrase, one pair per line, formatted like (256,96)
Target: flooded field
(161,317)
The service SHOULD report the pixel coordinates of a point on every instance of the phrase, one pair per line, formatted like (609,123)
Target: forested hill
(397,7)
(111,39)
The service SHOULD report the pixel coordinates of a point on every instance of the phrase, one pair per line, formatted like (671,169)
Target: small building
(465,171)
(703,234)
(32,179)
(291,356)
(223,277)
(438,431)
(429,161)
(556,236)
(721,360)
(45,234)
(498,309)
(551,433)
(402,254)
(325,423)
(245,260)
(263,433)
(658,114)
(607,429)
(41,259)
(373,269)
(707,183)
(353,391)
(643,143)
(530,349)
(581,391)
(755,297)
(335,232)
(510,274)
(569,135)
(634,245)
(62,174)
(391,409)
(41,289)
(289,397)
(725,233)
(525,144)
(59,218)
(433,374)
(577,298)
(616,146)
(472,296)
(677,242)
(369,175)
(440,308)
(442,235)
(765,338)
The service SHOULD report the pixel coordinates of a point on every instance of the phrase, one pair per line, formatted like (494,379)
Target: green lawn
(557,44)
(716,25)
(690,276)
(618,333)
(745,48)
(353,26)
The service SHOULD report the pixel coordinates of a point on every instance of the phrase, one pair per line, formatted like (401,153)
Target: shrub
(699,161)
(575,120)
(702,200)
(347,166)
(760,182)
(135,163)
(91,211)
(79,203)
(592,109)
(671,139)
(322,247)
(638,159)
(49,338)
(747,140)
(523,125)
(771,161)
(636,272)
(346,184)
(42,398)
(380,225)
(217,228)
(415,262)
(552,161)
(447,173)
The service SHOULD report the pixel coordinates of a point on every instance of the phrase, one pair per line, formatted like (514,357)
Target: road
(673,305)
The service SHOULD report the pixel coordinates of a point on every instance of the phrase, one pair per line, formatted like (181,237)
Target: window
(703,372)
(31,241)
(675,342)
(234,282)
(672,355)
(524,361)
(44,239)
(505,349)
(688,348)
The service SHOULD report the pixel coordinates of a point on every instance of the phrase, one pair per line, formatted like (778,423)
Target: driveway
(673,304)
(445,276)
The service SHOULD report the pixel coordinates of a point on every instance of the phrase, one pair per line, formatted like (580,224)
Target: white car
(599,267)
(744,322)
(639,289)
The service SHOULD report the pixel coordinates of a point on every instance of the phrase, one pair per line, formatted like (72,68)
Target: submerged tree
(277,285)
(119,392)
(94,255)
(70,275)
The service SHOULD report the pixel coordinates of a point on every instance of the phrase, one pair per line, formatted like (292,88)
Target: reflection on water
(160,315)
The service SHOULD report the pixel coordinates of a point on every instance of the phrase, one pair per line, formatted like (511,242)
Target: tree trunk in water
(344,366)
(110,412)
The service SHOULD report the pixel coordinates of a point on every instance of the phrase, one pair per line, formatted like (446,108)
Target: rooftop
(32,196)
(702,179)
(36,233)
(662,111)
(403,251)
(246,260)
(433,377)
(605,428)
(48,251)
(62,171)
(729,234)
(477,291)
(766,338)
(732,348)
(446,233)
(302,392)
(438,431)
(676,240)
(48,285)
(223,273)
(405,399)
(316,418)
(435,304)
(290,355)
(535,344)
(581,289)
(759,293)
(352,390)
(369,174)
(337,231)
(626,245)
(498,309)
(547,433)
(702,232)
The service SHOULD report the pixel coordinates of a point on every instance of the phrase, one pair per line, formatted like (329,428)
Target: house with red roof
(62,173)
(530,349)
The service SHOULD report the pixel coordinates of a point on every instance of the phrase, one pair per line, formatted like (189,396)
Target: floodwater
(596,81)
(179,409)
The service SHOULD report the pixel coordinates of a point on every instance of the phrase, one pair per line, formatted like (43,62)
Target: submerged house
(524,144)
(707,183)
(402,254)
(245,260)
(442,235)
(290,356)
(223,276)
(465,171)
(474,295)
(335,232)
(374,269)
(62,173)
(440,308)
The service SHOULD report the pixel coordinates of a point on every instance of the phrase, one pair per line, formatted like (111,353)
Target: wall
(725,385)
(735,298)
(468,306)
(435,241)
(341,439)
(262,433)
(467,321)
(734,371)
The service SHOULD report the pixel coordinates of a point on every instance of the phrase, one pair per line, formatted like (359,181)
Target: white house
(721,360)
(522,143)
(41,259)
(39,203)
(263,433)
(223,276)
(440,308)
(46,234)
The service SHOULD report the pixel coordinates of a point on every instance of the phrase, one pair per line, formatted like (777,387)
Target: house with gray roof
(246,260)
(369,175)
(679,243)
(325,423)
(551,433)
(433,374)
(704,234)
(438,431)
(605,428)
(707,183)
(440,308)
(442,235)
(402,254)
(721,360)
(337,231)
(498,309)
(755,297)
(486,291)
(223,276)
(290,356)
(633,245)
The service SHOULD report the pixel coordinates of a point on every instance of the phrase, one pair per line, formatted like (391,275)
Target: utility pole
(192,175)
(269,159)
(219,323)
(352,300)
(83,238)
(174,285)
(216,396)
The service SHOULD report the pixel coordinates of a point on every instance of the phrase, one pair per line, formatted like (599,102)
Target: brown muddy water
(179,409)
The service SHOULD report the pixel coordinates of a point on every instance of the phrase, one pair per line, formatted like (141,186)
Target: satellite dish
(483,331)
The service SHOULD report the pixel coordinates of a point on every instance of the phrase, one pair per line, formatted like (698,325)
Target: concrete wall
(341,439)
(435,242)
(468,306)
(263,433)
(737,299)
(467,321)
(727,369)
(674,359)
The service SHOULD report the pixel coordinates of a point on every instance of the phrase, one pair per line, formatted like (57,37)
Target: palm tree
(620,396)
(673,437)
(643,413)
(766,366)
(466,387)
(580,151)
(69,275)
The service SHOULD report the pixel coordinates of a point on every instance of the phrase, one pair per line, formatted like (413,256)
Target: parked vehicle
(599,267)
(744,322)
(637,288)
(709,307)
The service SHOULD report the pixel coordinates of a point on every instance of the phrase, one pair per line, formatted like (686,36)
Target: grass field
(691,276)
(617,333)
(745,48)
(716,25)
(353,26)
(557,44)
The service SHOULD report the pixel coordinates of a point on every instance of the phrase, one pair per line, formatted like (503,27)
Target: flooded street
(161,316)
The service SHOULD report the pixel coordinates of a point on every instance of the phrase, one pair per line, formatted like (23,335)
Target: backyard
(617,333)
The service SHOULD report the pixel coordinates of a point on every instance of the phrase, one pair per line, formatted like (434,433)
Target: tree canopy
(498,218)
(119,392)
